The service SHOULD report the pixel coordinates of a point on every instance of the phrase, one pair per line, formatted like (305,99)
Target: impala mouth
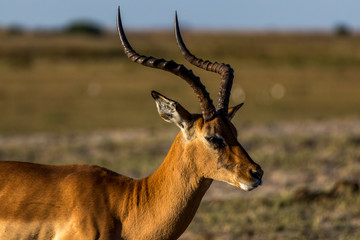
(249,187)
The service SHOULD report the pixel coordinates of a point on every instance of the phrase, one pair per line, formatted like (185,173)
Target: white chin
(246,187)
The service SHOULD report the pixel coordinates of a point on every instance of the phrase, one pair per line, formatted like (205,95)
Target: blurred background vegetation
(78,78)
(71,96)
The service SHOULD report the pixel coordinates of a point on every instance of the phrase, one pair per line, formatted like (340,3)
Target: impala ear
(233,110)
(172,111)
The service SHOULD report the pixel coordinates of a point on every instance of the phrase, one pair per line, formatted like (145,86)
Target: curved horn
(207,107)
(226,72)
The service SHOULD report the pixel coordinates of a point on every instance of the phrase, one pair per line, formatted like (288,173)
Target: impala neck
(173,193)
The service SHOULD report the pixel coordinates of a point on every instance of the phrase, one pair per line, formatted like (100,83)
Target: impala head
(210,139)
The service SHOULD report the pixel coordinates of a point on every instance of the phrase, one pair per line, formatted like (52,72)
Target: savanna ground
(76,99)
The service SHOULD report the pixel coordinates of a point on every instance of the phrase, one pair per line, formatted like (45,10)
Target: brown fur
(90,202)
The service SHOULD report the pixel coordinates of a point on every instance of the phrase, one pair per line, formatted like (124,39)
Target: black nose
(257,173)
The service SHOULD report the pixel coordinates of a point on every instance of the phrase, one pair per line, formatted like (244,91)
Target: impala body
(90,202)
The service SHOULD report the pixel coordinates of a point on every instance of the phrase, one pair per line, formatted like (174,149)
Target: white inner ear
(179,121)
(167,111)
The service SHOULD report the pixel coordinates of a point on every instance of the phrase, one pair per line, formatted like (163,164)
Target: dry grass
(302,162)
(279,217)
(65,83)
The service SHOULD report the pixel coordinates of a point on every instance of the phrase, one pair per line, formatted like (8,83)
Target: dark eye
(216,142)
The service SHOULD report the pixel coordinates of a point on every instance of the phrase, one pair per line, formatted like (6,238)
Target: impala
(90,202)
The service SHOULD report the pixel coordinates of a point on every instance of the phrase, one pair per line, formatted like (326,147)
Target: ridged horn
(225,71)
(206,105)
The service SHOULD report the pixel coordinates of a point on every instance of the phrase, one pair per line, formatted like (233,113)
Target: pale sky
(225,14)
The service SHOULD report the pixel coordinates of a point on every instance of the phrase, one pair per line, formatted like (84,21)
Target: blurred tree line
(81,27)
(92,28)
